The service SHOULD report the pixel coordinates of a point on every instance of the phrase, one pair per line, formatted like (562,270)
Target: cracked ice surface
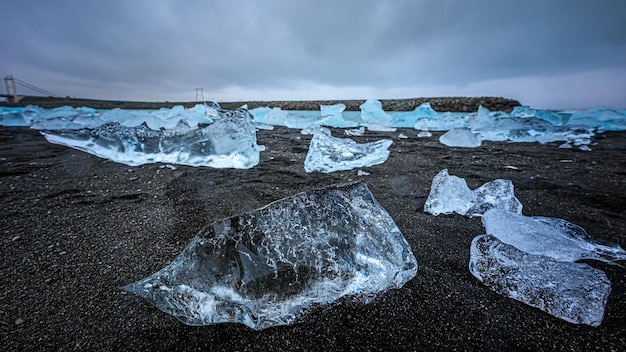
(552,237)
(328,154)
(574,292)
(267,267)
(229,142)
(450,194)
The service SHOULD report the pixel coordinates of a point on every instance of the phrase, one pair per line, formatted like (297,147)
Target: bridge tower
(9,83)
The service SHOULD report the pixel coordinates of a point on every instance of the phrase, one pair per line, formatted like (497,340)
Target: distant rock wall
(465,104)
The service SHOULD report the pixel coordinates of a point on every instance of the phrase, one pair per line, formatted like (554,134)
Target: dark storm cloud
(172,46)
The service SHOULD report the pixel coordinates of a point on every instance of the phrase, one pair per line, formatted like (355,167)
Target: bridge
(11,89)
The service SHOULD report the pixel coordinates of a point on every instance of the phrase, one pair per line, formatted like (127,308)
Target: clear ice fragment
(450,194)
(574,292)
(460,137)
(267,267)
(328,154)
(552,237)
(375,118)
(229,142)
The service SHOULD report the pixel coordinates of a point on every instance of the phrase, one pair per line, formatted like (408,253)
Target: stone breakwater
(442,104)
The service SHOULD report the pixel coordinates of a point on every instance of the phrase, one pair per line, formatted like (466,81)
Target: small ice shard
(574,292)
(551,237)
(375,118)
(230,142)
(402,136)
(269,266)
(450,194)
(362,173)
(460,137)
(355,131)
(424,134)
(329,154)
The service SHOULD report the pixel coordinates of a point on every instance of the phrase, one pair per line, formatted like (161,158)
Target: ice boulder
(328,154)
(375,118)
(409,118)
(269,266)
(603,119)
(574,292)
(551,237)
(230,142)
(460,137)
(450,194)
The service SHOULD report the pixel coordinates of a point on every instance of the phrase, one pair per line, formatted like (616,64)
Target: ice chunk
(408,119)
(460,137)
(444,122)
(267,267)
(450,194)
(230,142)
(332,116)
(423,134)
(601,118)
(355,131)
(328,153)
(375,118)
(551,116)
(552,237)
(574,292)
(276,117)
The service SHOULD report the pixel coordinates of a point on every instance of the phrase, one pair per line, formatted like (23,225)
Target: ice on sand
(450,194)
(267,267)
(229,142)
(328,154)
(551,237)
(574,292)
(375,118)
(460,137)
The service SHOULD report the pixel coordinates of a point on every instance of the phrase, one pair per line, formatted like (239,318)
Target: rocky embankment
(466,104)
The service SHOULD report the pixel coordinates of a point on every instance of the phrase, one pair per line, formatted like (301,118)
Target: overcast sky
(547,54)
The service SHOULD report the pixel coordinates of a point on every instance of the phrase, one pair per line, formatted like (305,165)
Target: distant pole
(200,92)
(12,96)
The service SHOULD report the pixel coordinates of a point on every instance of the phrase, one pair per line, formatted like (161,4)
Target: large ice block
(552,237)
(450,194)
(267,267)
(229,142)
(328,154)
(574,292)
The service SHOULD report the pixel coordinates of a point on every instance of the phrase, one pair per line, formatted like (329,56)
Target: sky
(559,54)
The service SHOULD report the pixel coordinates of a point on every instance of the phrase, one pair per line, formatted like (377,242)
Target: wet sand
(75,228)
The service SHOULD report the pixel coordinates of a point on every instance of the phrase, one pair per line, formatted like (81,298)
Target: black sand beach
(75,228)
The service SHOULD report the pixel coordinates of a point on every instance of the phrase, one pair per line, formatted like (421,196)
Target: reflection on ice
(329,154)
(551,237)
(450,194)
(267,267)
(229,142)
(574,292)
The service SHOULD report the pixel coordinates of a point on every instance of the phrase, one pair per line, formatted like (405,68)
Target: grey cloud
(278,44)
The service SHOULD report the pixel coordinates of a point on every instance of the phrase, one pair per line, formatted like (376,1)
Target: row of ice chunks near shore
(529,258)
(228,142)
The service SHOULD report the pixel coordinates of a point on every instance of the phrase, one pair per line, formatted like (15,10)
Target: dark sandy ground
(75,228)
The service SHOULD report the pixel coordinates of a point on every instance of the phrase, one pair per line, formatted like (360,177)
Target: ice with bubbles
(328,154)
(229,142)
(267,267)
(574,292)
(551,237)
(450,194)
